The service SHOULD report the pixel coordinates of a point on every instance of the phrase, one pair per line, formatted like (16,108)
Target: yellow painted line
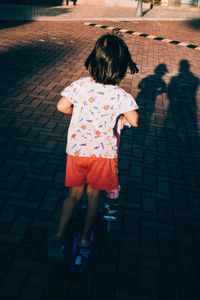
(123,30)
(111,28)
(136,33)
(183,44)
(166,40)
(151,36)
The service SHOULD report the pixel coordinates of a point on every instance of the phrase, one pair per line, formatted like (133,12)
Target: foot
(86,243)
(55,249)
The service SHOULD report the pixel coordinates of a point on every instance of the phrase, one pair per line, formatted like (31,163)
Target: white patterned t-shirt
(95,109)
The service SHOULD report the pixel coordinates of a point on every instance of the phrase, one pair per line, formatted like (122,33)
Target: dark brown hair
(109,60)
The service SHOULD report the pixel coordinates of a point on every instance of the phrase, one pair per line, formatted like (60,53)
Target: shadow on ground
(165,168)
(194,23)
(22,120)
(10,17)
(22,62)
(169,133)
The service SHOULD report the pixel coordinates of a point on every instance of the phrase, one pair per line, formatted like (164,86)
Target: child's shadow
(150,87)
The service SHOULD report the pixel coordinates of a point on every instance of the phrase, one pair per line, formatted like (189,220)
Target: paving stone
(31,266)
(21,225)
(100,293)
(117,282)
(17,251)
(184,226)
(109,251)
(23,204)
(163,186)
(6,262)
(103,266)
(127,265)
(134,193)
(190,290)
(37,281)
(11,239)
(47,283)
(165,214)
(188,264)
(84,284)
(167,250)
(151,264)
(148,238)
(31,294)
(4,227)
(150,179)
(49,203)
(179,197)
(131,225)
(157,225)
(148,283)
(167,292)
(196,232)
(44,224)
(194,204)
(136,172)
(34,237)
(8,214)
(124,295)
(149,159)
(149,204)
(25,185)
(51,295)
(15,280)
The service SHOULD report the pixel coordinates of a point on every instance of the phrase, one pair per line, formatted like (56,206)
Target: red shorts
(99,173)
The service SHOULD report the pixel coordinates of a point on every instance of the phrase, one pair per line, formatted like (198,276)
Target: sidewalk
(153,250)
(68,13)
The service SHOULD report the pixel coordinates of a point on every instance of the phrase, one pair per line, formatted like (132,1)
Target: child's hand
(69,111)
(123,121)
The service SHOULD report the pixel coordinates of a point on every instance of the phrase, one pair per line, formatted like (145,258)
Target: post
(139,9)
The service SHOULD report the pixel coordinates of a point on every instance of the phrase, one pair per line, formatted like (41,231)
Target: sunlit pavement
(152,252)
(81,12)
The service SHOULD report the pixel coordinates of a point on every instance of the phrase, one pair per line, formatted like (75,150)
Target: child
(92,156)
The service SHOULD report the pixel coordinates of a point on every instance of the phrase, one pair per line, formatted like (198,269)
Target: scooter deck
(80,255)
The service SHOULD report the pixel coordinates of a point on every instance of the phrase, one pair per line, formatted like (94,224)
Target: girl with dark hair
(109,60)
(92,155)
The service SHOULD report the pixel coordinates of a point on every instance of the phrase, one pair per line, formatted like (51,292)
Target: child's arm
(65,106)
(132,117)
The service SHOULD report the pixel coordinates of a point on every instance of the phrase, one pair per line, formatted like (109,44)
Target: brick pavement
(84,12)
(152,252)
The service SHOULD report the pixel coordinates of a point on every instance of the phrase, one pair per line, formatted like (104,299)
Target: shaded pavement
(152,251)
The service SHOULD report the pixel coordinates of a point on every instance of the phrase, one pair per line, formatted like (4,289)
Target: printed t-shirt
(96,108)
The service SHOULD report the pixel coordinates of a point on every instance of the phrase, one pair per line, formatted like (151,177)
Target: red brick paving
(152,252)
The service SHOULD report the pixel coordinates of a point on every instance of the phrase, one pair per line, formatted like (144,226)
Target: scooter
(80,255)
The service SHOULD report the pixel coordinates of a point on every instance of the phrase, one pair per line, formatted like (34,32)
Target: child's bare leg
(69,204)
(93,201)
(55,243)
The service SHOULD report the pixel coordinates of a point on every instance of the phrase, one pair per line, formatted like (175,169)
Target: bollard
(139,9)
